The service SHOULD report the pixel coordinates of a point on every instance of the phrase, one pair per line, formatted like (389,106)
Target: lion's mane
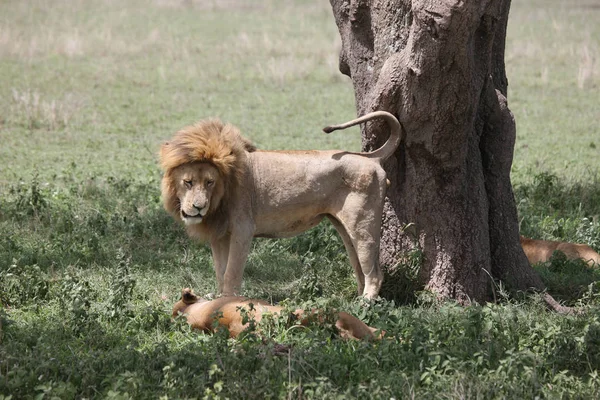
(208,141)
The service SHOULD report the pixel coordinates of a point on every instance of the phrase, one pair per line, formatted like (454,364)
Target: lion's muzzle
(193,212)
(191,219)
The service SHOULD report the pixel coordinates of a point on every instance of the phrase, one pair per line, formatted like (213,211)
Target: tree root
(553,305)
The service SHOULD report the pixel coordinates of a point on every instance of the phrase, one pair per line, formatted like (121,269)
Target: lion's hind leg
(362,224)
(358,273)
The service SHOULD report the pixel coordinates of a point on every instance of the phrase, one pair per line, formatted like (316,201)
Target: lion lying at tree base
(236,313)
(541,250)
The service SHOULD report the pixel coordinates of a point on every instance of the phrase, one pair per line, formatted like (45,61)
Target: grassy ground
(90,264)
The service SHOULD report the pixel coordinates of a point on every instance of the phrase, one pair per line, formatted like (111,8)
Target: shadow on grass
(569,281)
(552,209)
(45,355)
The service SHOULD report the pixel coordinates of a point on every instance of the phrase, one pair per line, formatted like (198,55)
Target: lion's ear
(248,145)
(162,153)
(164,147)
(188,296)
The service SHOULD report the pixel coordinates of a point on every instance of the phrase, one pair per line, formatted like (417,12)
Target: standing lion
(226,192)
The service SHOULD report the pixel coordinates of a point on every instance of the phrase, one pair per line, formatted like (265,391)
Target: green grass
(90,264)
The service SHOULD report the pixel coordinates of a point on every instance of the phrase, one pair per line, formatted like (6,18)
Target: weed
(22,285)
(31,198)
(122,283)
(401,281)
(76,295)
(55,390)
(247,314)
(310,286)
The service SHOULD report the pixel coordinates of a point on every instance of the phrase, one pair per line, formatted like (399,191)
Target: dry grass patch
(586,71)
(32,111)
(282,70)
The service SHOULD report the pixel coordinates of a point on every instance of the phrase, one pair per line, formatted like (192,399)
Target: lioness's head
(202,165)
(187,298)
(199,189)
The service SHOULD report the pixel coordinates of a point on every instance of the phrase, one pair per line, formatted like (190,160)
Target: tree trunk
(438,65)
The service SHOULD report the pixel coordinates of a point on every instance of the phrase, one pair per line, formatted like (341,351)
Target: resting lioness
(209,315)
(541,250)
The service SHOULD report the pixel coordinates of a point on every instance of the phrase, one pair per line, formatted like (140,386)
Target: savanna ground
(90,264)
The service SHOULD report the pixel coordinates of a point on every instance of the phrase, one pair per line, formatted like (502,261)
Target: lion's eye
(210,182)
(187,183)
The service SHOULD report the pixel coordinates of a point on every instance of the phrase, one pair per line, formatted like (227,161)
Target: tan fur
(227,193)
(210,315)
(541,250)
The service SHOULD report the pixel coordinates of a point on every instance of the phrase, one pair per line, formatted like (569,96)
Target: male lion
(209,315)
(227,192)
(541,250)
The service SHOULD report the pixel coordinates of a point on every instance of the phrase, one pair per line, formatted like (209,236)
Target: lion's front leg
(220,253)
(239,247)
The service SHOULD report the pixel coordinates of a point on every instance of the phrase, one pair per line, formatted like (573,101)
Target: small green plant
(588,231)
(401,281)
(23,284)
(31,198)
(215,388)
(3,322)
(55,390)
(322,240)
(310,285)
(120,289)
(248,318)
(75,295)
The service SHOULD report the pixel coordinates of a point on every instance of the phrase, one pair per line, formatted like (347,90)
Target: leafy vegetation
(90,264)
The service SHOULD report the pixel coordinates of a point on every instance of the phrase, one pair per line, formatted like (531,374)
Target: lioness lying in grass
(541,250)
(235,312)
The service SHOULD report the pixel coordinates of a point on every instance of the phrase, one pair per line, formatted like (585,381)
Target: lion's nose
(199,208)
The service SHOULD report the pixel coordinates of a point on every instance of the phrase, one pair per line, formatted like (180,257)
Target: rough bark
(438,65)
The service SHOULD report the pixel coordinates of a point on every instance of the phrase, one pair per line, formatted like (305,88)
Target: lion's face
(199,189)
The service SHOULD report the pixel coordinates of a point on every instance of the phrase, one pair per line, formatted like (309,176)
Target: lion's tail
(393,141)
